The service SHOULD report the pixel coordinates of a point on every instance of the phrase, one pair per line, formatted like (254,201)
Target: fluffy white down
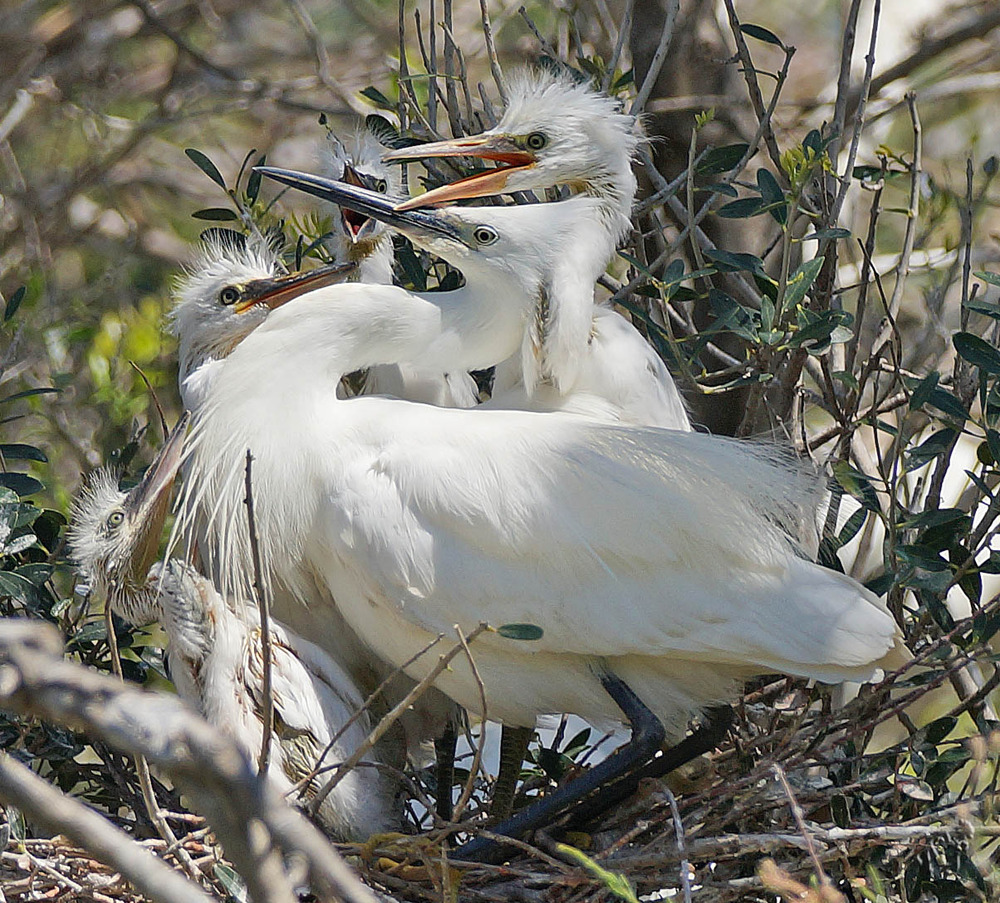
(216,667)
(662,552)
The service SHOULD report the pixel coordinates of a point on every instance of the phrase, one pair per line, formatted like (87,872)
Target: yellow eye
(115,518)
(536,141)
(229,295)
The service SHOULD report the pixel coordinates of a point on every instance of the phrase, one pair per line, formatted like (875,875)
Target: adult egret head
(554,131)
(114,535)
(227,292)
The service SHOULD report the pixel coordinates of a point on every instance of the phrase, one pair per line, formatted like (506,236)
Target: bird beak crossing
(497,148)
(149,501)
(368,203)
(278,290)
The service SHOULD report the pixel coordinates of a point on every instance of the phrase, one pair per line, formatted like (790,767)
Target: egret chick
(364,240)
(215,651)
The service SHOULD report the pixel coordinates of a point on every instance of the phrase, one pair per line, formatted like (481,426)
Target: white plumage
(216,654)
(587,358)
(663,554)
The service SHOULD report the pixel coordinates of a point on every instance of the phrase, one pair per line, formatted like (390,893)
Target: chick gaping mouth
(353,222)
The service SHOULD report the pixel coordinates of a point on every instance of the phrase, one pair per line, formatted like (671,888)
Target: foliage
(844,301)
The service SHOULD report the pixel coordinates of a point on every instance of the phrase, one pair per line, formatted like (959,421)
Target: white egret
(618,378)
(215,651)
(556,131)
(360,239)
(655,566)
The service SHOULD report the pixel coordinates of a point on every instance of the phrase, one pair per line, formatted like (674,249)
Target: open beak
(277,290)
(497,148)
(412,223)
(353,222)
(148,502)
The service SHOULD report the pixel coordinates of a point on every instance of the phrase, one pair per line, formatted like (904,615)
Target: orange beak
(497,148)
(280,290)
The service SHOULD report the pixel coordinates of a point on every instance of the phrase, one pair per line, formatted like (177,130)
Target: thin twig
(656,64)
(477,754)
(685,866)
(491,51)
(264,607)
(389,719)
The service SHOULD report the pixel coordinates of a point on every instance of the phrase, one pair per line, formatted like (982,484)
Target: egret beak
(498,148)
(416,223)
(353,222)
(277,290)
(148,502)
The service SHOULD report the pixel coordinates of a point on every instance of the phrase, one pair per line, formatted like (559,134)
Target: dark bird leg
(444,769)
(647,737)
(513,748)
(704,739)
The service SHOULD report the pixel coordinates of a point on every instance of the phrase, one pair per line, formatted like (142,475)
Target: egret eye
(381,186)
(229,295)
(536,141)
(115,518)
(484,235)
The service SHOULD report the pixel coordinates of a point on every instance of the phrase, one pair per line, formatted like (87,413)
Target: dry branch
(250,819)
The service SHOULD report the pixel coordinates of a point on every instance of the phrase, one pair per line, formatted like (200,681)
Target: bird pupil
(229,295)
(536,141)
(381,185)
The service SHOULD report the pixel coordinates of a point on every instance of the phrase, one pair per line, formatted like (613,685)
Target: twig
(685,867)
(750,74)
(389,719)
(859,120)
(623,30)
(656,64)
(142,768)
(491,51)
(477,754)
(156,401)
(800,821)
(44,804)
(263,606)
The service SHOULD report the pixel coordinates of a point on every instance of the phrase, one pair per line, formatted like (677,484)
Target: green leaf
(925,388)
(216,214)
(231,882)
(721,159)
(14,303)
(801,281)
(206,166)
(615,882)
(761,34)
(719,188)
(857,484)
(828,233)
(774,197)
(734,262)
(933,518)
(948,404)
(377,97)
(16,451)
(528,632)
(253,182)
(991,278)
(28,393)
(934,445)
(977,352)
(14,586)
(981,306)
(741,209)
(21,483)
